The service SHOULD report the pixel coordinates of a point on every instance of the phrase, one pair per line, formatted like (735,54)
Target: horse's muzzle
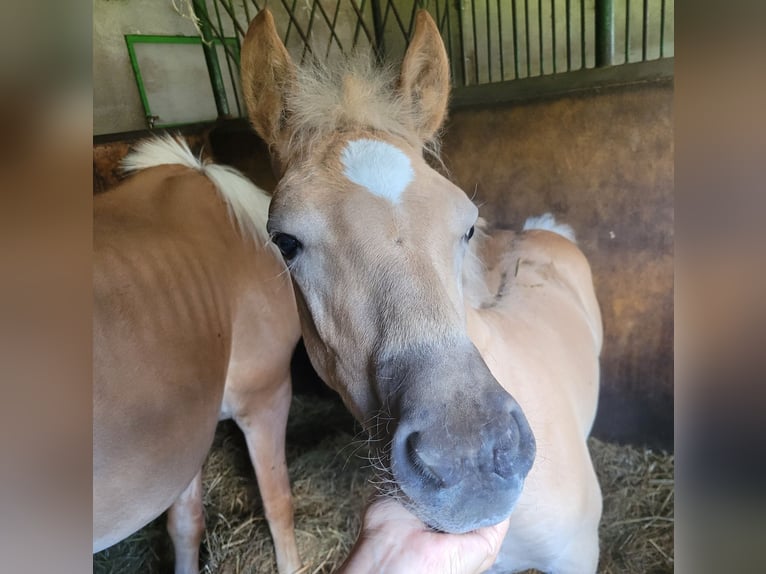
(462,446)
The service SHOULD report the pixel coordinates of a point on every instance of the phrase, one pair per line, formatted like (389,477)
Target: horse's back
(162,334)
(548,317)
(548,325)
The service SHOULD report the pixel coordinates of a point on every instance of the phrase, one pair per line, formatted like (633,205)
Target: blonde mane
(349,94)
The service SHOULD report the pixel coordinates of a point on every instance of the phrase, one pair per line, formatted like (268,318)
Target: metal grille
(488,41)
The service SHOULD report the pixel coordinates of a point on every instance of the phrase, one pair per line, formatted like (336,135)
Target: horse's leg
(264,422)
(186,521)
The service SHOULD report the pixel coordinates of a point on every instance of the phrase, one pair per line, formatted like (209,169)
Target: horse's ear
(266,71)
(424,78)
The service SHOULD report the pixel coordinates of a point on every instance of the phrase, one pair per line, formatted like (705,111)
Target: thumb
(490,540)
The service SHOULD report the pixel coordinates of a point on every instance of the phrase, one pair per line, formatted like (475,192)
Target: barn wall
(603,162)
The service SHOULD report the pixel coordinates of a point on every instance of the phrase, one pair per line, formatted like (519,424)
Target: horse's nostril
(504,459)
(422,461)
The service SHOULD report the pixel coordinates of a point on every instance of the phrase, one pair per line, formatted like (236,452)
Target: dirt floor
(329,482)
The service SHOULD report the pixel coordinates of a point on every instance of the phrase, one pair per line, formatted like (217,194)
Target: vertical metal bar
(645,38)
(211,59)
(553,33)
(604,33)
(540,31)
(226,52)
(627,31)
(582,34)
(662,29)
(460,22)
(489,42)
(500,39)
(443,20)
(457,61)
(526,35)
(475,42)
(515,41)
(247,12)
(569,35)
(377,23)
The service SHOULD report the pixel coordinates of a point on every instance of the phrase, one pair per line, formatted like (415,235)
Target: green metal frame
(132,39)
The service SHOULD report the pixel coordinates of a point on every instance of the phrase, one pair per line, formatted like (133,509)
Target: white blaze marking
(381,168)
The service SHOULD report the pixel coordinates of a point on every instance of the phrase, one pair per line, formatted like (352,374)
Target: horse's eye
(469,233)
(287,245)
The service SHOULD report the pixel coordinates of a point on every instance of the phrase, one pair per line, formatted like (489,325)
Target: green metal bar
(211,58)
(489,41)
(475,42)
(569,36)
(164,39)
(553,34)
(377,24)
(627,31)
(220,33)
(460,58)
(515,40)
(532,89)
(460,21)
(540,32)
(583,31)
(130,40)
(500,38)
(526,37)
(604,33)
(645,38)
(662,29)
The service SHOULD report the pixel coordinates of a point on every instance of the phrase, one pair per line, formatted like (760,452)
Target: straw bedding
(329,482)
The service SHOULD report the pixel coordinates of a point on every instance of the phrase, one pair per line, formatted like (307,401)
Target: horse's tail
(248,205)
(547,222)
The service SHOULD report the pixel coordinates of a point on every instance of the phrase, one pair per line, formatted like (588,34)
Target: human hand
(395,541)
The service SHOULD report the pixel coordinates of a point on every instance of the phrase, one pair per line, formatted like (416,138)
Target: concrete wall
(116,101)
(603,162)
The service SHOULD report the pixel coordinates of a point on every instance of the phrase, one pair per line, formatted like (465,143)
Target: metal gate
(497,48)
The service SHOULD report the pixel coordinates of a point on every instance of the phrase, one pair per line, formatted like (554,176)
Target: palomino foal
(194,321)
(462,354)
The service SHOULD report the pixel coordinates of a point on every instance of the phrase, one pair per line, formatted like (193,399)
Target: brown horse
(462,354)
(194,321)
